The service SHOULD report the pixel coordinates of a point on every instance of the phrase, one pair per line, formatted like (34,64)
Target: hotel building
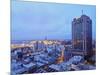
(82,34)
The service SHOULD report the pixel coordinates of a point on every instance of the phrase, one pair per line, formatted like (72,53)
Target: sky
(37,20)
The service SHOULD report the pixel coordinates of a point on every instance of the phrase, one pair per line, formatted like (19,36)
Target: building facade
(82,34)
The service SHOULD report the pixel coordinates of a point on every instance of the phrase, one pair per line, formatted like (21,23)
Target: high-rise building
(36,45)
(82,34)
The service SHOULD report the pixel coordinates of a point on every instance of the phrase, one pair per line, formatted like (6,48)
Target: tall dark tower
(82,34)
(36,45)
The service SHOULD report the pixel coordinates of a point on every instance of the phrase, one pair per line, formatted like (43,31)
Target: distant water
(16,42)
(19,41)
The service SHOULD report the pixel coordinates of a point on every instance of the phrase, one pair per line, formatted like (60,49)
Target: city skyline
(52,37)
(55,18)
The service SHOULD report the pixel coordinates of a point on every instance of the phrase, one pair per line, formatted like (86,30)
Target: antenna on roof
(82,12)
